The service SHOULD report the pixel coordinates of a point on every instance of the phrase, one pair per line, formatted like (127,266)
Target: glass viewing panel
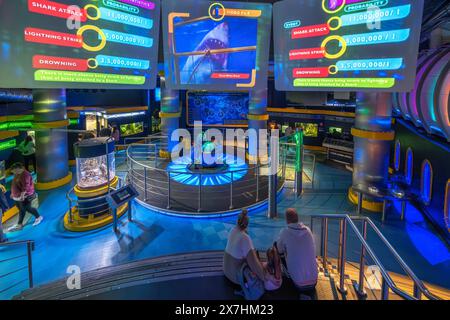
(92,172)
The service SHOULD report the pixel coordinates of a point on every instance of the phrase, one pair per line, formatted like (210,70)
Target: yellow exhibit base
(372,206)
(45,186)
(80,224)
(9,214)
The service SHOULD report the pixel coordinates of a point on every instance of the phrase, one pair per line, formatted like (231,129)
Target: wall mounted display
(218,108)
(131,129)
(216,45)
(79,44)
(309,129)
(339,45)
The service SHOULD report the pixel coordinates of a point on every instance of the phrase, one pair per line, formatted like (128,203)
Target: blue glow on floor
(427,243)
(236,170)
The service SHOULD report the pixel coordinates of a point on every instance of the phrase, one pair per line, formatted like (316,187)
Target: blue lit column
(49,109)
(372,135)
(257,119)
(170,116)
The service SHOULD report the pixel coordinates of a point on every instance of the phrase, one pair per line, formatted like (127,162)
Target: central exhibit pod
(373,136)
(96,176)
(50,120)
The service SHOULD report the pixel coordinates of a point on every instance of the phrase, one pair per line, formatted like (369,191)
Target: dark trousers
(308,290)
(24,207)
(31,158)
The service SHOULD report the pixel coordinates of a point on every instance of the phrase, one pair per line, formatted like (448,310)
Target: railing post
(130,211)
(257,183)
(114,213)
(131,171)
(384,290)
(156,156)
(168,190)
(30,248)
(325,242)
(417,292)
(231,191)
(403,210)
(70,211)
(360,202)
(362,259)
(342,252)
(145,184)
(200,193)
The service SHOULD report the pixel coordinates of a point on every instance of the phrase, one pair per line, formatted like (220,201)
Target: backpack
(252,286)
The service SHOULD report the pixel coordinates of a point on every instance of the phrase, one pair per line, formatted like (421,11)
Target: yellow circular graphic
(86,7)
(339,25)
(340,53)
(333,67)
(332,11)
(95,63)
(221,6)
(99,31)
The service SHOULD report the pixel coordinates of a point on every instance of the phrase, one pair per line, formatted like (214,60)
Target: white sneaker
(16,227)
(38,221)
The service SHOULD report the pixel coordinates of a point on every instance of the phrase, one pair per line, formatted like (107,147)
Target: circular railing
(174,188)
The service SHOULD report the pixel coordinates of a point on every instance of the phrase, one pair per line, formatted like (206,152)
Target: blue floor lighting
(234,168)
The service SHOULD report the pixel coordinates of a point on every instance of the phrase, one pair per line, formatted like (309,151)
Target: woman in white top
(240,250)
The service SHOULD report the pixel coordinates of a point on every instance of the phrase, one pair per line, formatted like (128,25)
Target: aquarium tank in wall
(309,129)
(131,129)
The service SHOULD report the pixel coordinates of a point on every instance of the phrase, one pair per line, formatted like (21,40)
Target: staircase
(191,276)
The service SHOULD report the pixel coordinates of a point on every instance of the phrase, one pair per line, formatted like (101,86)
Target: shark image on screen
(199,68)
(216,46)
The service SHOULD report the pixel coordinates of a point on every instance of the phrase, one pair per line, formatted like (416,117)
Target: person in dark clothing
(4,205)
(28,150)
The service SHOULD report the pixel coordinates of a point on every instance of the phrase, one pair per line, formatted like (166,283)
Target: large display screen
(102,44)
(216,45)
(339,45)
(218,108)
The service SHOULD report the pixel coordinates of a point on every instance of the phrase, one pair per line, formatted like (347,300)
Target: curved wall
(427,105)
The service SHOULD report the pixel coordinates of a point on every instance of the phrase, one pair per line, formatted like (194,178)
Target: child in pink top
(22,192)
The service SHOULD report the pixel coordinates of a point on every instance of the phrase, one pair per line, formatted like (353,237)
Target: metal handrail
(175,171)
(419,286)
(30,244)
(387,282)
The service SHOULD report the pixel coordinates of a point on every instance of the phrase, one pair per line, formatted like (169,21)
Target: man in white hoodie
(296,243)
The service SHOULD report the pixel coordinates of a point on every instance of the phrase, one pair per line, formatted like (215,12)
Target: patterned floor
(152,234)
